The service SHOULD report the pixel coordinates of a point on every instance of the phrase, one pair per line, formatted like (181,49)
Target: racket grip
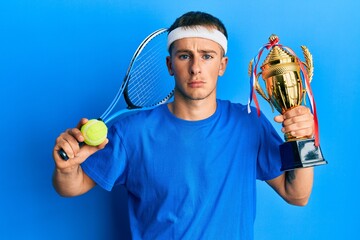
(63,154)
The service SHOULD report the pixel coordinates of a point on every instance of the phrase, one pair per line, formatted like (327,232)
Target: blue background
(63,60)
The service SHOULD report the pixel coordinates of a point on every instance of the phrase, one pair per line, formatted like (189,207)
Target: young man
(191,169)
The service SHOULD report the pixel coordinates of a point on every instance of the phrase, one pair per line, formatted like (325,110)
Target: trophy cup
(285,76)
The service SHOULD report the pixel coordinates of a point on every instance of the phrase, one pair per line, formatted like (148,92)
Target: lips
(196,84)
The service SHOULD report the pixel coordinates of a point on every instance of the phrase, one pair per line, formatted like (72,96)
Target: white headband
(197,31)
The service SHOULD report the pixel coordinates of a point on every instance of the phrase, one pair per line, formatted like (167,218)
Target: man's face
(196,64)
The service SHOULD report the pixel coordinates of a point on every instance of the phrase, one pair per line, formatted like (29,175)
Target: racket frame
(127,78)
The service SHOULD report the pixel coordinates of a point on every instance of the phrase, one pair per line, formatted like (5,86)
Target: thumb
(279,118)
(88,150)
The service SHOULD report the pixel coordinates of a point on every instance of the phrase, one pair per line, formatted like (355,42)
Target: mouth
(196,84)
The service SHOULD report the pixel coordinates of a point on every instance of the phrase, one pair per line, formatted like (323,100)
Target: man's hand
(298,121)
(68,178)
(69,142)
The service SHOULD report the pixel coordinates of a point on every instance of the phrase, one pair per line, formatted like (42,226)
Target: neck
(193,110)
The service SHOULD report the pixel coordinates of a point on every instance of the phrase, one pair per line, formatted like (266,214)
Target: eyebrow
(190,51)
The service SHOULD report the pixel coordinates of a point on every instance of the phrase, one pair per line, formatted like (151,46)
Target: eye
(207,56)
(184,56)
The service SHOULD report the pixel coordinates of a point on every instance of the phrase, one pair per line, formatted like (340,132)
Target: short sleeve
(107,167)
(269,161)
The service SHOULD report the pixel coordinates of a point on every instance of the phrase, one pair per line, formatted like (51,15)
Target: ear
(169,65)
(223,64)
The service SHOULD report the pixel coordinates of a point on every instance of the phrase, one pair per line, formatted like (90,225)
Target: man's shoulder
(232,106)
(140,116)
(241,111)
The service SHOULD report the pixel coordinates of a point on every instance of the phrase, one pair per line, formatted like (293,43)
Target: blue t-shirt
(189,179)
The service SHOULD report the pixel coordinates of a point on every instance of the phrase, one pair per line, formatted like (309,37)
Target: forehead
(196,44)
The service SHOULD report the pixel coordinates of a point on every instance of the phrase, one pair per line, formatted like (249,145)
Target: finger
(298,122)
(74,158)
(279,118)
(299,129)
(82,122)
(297,115)
(74,133)
(297,111)
(71,139)
(67,143)
(87,150)
(103,144)
(305,118)
(299,126)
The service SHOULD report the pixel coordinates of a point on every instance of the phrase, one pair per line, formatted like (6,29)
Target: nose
(195,66)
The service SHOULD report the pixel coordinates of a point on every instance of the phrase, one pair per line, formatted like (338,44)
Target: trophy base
(300,154)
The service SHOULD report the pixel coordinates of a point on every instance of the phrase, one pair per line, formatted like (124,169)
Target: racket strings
(122,88)
(149,91)
(149,83)
(146,84)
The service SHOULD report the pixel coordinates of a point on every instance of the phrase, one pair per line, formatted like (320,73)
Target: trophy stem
(288,137)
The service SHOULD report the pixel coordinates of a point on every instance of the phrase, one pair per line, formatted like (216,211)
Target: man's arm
(69,179)
(72,183)
(295,186)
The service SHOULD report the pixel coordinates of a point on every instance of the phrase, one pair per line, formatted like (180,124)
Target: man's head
(198,24)
(197,44)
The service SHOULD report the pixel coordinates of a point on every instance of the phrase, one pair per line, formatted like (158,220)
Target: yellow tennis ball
(94,132)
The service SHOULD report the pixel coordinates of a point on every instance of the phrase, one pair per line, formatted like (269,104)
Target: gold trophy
(284,77)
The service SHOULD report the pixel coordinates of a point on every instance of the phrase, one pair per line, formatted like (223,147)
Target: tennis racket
(147,82)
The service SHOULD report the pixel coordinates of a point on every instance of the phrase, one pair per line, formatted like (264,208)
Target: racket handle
(63,154)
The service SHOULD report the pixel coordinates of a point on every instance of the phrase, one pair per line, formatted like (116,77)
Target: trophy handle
(261,91)
(309,67)
(308,62)
(257,85)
